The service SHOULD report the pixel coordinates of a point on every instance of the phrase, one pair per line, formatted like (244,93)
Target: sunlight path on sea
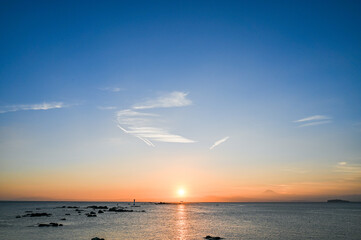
(182,222)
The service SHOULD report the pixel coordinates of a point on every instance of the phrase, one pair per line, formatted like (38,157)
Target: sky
(225,100)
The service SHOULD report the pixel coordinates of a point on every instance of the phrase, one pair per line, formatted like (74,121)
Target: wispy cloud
(219,142)
(111,89)
(344,167)
(173,99)
(314,123)
(40,106)
(141,125)
(145,125)
(313,120)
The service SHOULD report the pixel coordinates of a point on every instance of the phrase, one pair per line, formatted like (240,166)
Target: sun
(181,192)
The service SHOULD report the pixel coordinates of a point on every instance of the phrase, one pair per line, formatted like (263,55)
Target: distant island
(337,201)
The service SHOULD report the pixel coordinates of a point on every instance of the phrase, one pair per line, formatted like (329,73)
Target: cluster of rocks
(90,214)
(119,209)
(101,210)
(50,225)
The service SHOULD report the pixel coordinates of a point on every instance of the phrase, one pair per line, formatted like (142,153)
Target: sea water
(184,221)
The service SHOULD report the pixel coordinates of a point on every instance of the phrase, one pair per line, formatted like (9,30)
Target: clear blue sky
(122,81)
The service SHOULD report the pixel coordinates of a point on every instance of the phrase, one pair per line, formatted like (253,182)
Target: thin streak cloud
(313,118)
(41,106)
(173,99)
(314,123)
(218,142)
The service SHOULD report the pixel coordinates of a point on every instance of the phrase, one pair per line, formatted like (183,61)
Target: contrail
(218,142)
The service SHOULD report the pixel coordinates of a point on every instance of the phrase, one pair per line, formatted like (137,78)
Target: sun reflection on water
(181,221)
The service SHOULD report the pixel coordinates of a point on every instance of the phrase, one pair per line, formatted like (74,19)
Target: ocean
(183,221)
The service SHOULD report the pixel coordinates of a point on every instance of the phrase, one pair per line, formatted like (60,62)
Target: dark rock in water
(72,207)
(37,215)
(162,203)
(50,225)
(98,207)
(18,216)
(100,211)
(212,238)
(28,211)
(119,209)
(337,201)
(67,214)
(96,238)
(38,208)
(92,214)
(63,219)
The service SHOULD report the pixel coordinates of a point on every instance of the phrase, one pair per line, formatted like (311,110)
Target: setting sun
(181,192)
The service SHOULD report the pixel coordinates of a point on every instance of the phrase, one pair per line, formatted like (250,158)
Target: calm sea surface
(185,221)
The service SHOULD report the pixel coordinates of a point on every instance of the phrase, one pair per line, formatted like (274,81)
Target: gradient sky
(228,100)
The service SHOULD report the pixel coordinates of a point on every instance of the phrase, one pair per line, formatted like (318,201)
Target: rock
(18,216)
(100,211)
(63,219)
(98,207)
(50,225)
(92,214)
(37,215)
(212,238)
(96,238)
(67,214)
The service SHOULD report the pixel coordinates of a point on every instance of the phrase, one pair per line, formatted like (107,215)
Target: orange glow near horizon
(174,183)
